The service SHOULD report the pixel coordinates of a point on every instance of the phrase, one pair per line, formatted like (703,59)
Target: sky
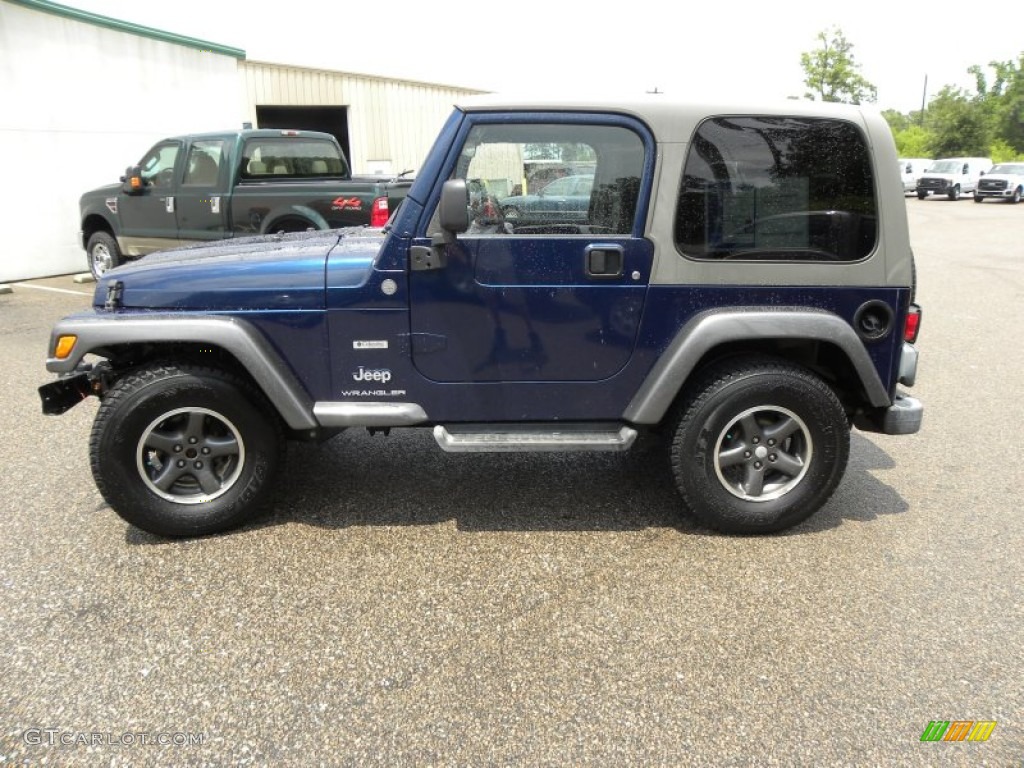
(737,48)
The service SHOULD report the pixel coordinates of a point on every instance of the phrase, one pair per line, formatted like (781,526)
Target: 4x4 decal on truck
(346,204)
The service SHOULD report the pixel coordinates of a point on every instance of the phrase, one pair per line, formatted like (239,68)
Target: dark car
(565,199)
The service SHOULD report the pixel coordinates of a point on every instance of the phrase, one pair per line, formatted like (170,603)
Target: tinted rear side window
(777,189)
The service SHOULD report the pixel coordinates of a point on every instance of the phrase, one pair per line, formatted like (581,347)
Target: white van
(953,177)
(911,169)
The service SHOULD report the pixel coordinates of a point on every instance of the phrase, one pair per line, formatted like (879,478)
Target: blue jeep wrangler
(738,281)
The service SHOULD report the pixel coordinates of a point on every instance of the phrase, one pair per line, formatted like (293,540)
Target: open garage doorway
(332,120)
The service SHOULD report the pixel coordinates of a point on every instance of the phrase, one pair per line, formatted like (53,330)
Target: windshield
(946,166)
(1008,168)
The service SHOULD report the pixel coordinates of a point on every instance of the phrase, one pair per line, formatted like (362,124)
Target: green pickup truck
(212,186)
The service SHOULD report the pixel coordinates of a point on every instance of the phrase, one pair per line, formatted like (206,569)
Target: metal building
(384,126)
(87,95)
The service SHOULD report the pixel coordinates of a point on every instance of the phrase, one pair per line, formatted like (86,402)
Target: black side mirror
(453,210)
(131,182)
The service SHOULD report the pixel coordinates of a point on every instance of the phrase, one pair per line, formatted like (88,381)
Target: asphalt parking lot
(403,606)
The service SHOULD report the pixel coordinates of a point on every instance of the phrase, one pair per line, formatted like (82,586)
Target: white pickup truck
(1004,182)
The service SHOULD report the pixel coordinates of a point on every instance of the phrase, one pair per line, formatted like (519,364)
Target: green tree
(989,121)
(959,124)
(831,74)
(913,141)
(897,120)
(1003,100)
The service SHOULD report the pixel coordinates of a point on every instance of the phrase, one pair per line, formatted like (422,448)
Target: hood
(267,272)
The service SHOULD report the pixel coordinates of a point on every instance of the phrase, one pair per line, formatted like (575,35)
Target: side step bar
(499,438)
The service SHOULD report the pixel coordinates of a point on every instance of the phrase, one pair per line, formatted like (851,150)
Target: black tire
(291,225)
(1016,196)
(978,199)
(758,446)
(165,411)
(954,193)
(922,195)
(102,253)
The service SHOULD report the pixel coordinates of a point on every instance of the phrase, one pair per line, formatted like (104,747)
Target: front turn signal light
(64,346)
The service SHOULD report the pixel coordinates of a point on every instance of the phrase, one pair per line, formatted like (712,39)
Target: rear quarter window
(777,189)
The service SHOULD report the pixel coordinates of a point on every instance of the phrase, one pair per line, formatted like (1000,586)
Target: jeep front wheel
(180,450)
(103,253)
(759,446)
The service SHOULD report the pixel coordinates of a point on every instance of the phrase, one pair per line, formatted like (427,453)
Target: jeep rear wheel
(103,253)
(184,450)
(759,446)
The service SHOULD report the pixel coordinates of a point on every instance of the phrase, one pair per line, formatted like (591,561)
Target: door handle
(604,260)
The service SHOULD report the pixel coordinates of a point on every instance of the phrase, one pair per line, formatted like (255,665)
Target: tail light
(912,324)
(379,212)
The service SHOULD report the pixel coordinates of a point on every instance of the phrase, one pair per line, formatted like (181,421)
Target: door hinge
(115,293)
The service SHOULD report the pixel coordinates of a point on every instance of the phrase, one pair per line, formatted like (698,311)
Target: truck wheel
(1016,196)
(922,195)
(291,225)
(978,198)
(954,193)
(103,253)
(759,446)
(181,450)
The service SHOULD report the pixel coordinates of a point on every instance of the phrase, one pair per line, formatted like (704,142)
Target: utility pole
(924,95)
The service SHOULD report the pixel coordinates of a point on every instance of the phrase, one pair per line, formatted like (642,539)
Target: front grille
(932,184)
(992,185)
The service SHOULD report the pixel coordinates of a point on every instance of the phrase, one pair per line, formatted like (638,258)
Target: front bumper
(72,388)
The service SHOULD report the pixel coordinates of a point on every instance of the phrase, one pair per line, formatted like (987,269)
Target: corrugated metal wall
(388,120)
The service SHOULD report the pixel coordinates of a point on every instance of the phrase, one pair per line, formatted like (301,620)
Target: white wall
(79,103)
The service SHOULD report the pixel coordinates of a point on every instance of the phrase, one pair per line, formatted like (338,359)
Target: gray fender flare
(714,327)
(249,347)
